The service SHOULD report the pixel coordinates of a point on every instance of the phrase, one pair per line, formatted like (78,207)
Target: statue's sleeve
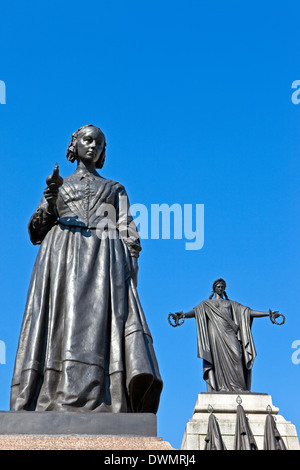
(41,222)
(125,223)
(204,350)
(242,316)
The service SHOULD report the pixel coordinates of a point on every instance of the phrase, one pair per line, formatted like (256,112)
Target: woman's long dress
(84,342)
(225,344)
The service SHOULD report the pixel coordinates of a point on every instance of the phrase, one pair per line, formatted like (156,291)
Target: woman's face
(219,288)
(90,144)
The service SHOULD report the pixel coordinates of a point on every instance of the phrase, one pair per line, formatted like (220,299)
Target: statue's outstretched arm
(256,313)
(273,314)
(177,319)
(189,314)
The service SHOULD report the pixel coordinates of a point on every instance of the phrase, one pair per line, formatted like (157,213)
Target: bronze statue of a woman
(84,342)
(225,340)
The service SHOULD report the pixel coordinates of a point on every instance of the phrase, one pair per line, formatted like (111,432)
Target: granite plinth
(116,443)
(70,423)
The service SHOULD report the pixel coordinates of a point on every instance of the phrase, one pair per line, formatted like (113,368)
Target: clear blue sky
(194,98)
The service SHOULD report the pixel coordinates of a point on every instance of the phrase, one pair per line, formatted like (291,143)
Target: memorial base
(224,406)
(87,423)
(79,442)
(33,430)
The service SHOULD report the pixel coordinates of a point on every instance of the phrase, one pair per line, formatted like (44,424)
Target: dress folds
(84,343)
(225,344)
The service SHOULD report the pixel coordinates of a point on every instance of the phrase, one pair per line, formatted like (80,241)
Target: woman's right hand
(51,194)
(179,315)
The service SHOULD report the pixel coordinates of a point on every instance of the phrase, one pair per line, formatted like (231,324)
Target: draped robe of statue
(84,342)
(272,437)
(244,439)
(225,344)
(213,438)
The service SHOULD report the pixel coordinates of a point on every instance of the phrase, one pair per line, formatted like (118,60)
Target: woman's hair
(72,149)
(214,285)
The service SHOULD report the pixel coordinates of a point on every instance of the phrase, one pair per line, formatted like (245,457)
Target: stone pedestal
(79,442)
(85,423)
(49,430)
(223,406)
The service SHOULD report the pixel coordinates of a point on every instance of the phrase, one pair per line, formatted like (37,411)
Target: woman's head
(87,140)
(219,287)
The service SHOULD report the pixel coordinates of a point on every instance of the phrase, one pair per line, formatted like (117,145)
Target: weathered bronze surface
(84,342)
(225,341)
